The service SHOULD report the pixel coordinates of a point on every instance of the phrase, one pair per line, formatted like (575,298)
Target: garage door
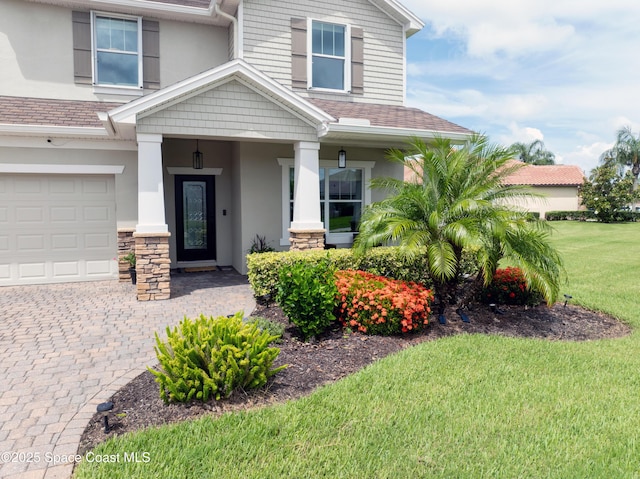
(57,228)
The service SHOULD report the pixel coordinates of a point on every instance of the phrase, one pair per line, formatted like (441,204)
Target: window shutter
(151,54)
(357,61)
(81,22)
(299,53)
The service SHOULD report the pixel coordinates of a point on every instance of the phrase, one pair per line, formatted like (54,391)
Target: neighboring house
(559,184)
(183,128)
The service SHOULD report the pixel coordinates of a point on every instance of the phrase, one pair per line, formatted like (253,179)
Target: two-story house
(183,128)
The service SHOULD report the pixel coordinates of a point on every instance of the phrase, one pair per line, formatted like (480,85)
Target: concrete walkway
(66,348)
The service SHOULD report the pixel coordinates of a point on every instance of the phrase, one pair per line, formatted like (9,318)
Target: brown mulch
(337,354)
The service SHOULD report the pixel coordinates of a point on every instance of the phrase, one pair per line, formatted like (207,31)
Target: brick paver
(65,348)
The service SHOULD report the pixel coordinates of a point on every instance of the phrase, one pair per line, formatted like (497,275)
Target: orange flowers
(379,305)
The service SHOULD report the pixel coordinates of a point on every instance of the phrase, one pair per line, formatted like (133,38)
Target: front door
(195,218)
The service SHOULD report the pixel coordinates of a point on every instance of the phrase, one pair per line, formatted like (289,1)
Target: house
(181,129)
(559,186)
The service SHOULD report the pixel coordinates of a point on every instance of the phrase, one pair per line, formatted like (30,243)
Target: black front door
(195,218)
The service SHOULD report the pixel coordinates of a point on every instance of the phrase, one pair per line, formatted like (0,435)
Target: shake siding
(267,43)
(230,110)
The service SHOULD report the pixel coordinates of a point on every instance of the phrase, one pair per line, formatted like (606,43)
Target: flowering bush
(509,286)
(378,305)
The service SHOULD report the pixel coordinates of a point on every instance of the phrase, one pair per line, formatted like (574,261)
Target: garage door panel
(64,241)
(28,185)
(30,243)
(57,228)
(29,214)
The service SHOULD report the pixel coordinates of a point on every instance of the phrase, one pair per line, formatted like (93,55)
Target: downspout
(234,21)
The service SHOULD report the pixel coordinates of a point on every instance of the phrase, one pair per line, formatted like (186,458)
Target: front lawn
(465,406)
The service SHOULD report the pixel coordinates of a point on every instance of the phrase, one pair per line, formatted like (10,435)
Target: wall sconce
(198,158)
(342,158)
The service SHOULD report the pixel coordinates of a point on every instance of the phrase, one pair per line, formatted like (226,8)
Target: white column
(306,196)
(151,217)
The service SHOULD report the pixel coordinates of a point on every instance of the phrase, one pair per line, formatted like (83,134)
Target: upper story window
(109,51)
(326,56)
(329,58)
(117,51)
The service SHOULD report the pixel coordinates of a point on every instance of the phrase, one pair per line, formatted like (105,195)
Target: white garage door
(57,228)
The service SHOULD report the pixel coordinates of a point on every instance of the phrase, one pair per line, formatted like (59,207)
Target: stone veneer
(126,244)
(153,266)
(306,239)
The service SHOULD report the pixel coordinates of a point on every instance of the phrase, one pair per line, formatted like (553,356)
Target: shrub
(211,357)
(387,261)
(377,305)
(307,295)
(272,327)
(509,286)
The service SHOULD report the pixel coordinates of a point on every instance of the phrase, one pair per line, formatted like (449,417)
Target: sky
(566,72)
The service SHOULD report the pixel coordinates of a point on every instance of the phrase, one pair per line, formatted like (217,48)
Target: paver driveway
(66,348)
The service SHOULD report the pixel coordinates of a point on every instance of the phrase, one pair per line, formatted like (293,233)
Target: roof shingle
(391,116)
(47,112)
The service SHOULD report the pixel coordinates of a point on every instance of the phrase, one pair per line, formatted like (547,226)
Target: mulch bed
(337,354)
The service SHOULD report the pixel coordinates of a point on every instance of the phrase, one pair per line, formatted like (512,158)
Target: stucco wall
(267,42)
(556,198)
(126,183)
(36,52)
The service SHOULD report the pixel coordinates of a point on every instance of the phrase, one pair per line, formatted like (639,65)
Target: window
(343,195)
(330,56)
(117,47)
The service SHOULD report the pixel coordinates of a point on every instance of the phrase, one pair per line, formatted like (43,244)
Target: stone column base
(306,239)
(153,266)
(126,244)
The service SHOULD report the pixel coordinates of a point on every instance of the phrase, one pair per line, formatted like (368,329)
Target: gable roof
(547,175)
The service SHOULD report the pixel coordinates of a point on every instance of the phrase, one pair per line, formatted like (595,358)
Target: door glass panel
(194,201)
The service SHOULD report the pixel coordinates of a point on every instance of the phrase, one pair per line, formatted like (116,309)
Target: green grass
(466,406)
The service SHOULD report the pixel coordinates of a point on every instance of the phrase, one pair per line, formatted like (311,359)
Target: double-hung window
(117,50)
(329,62)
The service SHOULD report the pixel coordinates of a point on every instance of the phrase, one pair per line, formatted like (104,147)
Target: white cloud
(586,156)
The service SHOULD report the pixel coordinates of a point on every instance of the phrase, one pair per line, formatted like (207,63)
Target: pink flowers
(378,305)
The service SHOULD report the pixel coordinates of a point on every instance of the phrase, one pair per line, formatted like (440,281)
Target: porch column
(306,231)
(152,233)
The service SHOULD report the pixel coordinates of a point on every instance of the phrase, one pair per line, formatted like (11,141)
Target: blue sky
(566,72)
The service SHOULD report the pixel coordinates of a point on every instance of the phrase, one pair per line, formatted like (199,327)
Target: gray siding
(267,42)
(231,110)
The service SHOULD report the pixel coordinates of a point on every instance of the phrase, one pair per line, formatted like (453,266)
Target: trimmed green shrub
(383,261)
(307,295)
(509,286)
(211,357)
(272,327)
(569,215)
(377,305)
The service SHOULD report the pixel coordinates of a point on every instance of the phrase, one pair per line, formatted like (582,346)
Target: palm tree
(626,154)
(457,202)
(534,153)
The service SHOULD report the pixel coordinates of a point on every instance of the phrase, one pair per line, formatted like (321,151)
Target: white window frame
(335,238)
(94,51)
(346,88)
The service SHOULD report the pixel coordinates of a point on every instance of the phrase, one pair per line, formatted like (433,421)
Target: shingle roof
(388,116)
(39,111)
(547,175)
(187,3)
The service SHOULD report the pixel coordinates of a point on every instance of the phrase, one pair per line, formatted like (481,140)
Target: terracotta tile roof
(39,111)
(388,115)
(547,175)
